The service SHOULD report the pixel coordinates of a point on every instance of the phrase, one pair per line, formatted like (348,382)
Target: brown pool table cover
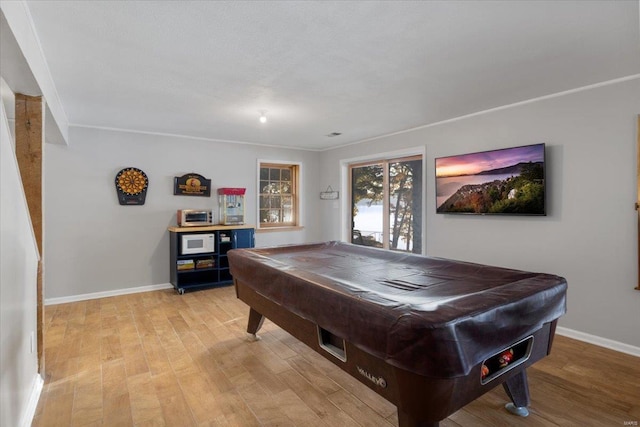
(431,316)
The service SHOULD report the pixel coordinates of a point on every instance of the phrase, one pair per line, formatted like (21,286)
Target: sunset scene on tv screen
(500,181)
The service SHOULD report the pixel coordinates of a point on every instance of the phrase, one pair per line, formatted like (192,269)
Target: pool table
(428,334)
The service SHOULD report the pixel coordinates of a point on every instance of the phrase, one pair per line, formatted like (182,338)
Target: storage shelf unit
(214,270)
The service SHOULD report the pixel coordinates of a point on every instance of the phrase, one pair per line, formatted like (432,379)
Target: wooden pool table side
(421,400)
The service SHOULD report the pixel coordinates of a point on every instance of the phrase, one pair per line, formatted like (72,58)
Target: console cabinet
(191,271)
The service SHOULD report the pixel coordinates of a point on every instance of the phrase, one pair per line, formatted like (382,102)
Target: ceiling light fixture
(263,117)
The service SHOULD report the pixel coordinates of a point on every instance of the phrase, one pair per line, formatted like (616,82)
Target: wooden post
(29,152)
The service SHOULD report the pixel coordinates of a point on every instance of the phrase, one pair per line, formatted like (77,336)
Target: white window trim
(345,209)
(300,195)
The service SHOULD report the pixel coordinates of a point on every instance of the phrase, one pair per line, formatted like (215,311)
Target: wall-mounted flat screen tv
(506,181)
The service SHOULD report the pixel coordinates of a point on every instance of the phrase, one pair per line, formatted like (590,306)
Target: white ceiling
(365,69)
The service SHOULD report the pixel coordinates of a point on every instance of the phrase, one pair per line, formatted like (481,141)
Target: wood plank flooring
(162,359)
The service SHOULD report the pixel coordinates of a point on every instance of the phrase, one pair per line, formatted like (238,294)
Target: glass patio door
(386,201)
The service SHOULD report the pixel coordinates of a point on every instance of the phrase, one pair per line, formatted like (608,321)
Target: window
(386,200)
(278,195)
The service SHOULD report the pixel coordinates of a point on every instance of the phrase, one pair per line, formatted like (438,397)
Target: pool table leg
(517,389)
(255,322)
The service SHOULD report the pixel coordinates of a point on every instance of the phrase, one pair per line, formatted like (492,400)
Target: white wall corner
(32,405)
(18,17)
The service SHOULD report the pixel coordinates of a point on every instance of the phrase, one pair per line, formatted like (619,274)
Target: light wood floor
(158,358)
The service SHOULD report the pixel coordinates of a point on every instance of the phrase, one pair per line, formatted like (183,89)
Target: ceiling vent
(332,134)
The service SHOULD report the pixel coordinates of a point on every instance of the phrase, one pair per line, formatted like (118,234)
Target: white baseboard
(599,341)
(95,295)
(32,404)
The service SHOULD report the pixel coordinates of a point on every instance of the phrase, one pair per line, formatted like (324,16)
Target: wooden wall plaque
(192,184)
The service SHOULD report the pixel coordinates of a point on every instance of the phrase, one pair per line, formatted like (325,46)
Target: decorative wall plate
(131,186)
(329,194)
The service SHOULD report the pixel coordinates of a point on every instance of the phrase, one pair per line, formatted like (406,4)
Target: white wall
(589,235)
(25,68)
(20,384)
(94,245)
